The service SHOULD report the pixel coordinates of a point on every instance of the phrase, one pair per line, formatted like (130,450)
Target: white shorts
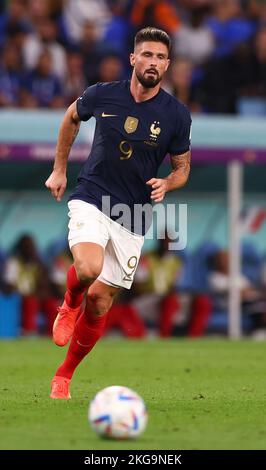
(121,248)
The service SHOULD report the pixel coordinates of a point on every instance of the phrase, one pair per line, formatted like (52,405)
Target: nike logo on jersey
(108,115)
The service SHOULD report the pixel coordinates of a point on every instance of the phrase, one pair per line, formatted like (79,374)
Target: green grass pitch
(206,394)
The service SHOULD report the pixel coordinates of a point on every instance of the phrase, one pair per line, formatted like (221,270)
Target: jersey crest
(131,124)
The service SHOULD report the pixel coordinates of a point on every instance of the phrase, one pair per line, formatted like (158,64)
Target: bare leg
(88,262)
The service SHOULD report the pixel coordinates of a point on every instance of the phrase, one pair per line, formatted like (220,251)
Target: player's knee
(88,272)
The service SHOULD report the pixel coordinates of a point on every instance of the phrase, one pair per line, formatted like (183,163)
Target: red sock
(89,328)
(75,290)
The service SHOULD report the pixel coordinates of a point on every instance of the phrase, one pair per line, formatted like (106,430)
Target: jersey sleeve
(86,103)
(180,142)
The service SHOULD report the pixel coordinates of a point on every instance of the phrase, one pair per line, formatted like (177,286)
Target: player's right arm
(68,131)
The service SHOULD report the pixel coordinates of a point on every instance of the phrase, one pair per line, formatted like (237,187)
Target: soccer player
(137,124)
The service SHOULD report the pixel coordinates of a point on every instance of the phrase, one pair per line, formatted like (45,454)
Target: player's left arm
(177,178)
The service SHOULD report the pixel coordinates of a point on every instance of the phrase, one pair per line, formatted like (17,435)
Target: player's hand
(56,183)
(159,188)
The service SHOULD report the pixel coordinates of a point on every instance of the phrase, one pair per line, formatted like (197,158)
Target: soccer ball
(117,412)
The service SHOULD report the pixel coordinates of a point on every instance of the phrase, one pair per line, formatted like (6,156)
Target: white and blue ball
(117,412)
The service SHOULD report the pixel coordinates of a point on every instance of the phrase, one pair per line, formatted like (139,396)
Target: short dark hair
(152,34)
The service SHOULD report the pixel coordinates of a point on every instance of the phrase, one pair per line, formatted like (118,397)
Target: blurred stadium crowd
(173,293)
(52,49)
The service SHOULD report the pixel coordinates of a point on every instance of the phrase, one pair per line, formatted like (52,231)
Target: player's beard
(148,81)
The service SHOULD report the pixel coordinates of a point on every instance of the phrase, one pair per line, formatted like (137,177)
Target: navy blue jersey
(130,142)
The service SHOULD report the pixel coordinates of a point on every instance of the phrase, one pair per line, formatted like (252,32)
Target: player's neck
(140,93)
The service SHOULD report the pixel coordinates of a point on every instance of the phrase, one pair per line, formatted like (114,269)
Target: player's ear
(132,59)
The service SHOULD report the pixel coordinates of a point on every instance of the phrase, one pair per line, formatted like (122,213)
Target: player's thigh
(88,236)
(88,259)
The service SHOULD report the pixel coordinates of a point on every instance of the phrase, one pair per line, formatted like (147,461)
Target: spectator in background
(39,10)
(74,82)
(194,40)
(253,299)
(154,291)
(256,10)
(251,84)
(124,317)
(110,68)
(17,36)
(219,279)
(92,50)
(15,17)
(10,77)
(25,273)
(259,66)
(219,32)
(119,31)
(77,12)
(229,27)
(244,75)
(58,271)
(159,13)
(181,86)
(44,37)
(41,87)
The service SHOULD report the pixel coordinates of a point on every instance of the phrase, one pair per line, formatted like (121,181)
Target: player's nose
(153,62)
